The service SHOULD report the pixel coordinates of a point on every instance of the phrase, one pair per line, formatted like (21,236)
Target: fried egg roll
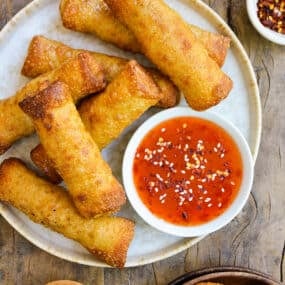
(106,115)
(45,54)
(167,41)
(82,73)
(107,238)
(76,157)
(95,17)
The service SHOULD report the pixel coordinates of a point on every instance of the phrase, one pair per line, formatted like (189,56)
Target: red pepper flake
(271,14)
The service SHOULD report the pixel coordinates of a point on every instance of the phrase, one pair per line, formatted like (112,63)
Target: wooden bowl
(225,276)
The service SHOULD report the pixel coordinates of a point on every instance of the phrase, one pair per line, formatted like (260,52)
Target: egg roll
(82,73)
(167,40)
(95,17)
(107,238)
(45,54)
(106,115)
(77,158)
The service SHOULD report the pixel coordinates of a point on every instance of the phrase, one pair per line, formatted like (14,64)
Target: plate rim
(187,242)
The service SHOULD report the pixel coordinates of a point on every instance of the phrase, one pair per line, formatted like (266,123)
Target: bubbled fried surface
(75,155)
(86,77)
(95,17)
(125,99)
(175,50)
(45,54)
(107,237)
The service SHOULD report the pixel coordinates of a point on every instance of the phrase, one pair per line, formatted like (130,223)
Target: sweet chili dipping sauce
(187,170)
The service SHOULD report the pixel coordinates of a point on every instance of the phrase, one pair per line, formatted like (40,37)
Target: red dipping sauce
(187,170)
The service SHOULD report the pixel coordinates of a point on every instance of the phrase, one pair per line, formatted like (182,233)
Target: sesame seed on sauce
(183,167)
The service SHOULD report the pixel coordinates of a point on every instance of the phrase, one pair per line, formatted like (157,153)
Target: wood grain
(255,239)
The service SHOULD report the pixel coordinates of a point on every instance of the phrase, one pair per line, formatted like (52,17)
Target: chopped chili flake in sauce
(187,170)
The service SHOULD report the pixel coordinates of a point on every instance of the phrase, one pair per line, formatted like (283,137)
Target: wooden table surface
(255,239)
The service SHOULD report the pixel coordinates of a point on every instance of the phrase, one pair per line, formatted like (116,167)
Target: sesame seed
(183,171)
(137,155)
(207,200)
(200,186)
(192,177)
(190,190)
(205,192)
(163,130)
(151,183)
(156,189)
(204,180)
(222,155)
(184,126)
(223,190)
(215,149)
(210,205)
(160,139)
(233,183)
(190,198)
(219,145)
(162,202)
(220,205)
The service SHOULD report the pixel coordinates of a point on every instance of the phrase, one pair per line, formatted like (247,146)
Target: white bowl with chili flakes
(267,16)
(187,173)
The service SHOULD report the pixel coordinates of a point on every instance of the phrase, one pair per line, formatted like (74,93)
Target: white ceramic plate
(242,108)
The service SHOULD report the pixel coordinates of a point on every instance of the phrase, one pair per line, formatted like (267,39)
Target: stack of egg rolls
(106,115)
(45,55)
(77,158)
(95,17)
(82,73)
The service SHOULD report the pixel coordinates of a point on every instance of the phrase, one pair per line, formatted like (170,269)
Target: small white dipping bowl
(181,230)
(267,33)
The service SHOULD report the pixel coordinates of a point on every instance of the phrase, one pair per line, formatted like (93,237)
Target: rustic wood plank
(5,12)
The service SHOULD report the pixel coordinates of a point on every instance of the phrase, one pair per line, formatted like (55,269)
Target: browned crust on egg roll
(95,17)
(82,73)
(45,164)
(75,155)
(175,50)
(106,115)
(107,237)
(45,54)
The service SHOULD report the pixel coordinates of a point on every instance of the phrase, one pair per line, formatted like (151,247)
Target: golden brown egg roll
(174,49)
(95,17)
(45,54)
(95,191)
(106,115)
(107,238)
(82,73)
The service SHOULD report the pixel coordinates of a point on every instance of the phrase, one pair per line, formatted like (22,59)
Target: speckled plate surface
(242,108)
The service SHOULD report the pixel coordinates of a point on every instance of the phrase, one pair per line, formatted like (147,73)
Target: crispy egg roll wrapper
(95,17)
(82,73)
(106,115)
(77,158)
(45,55)
(167,41)
(45,164)
(108,237)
